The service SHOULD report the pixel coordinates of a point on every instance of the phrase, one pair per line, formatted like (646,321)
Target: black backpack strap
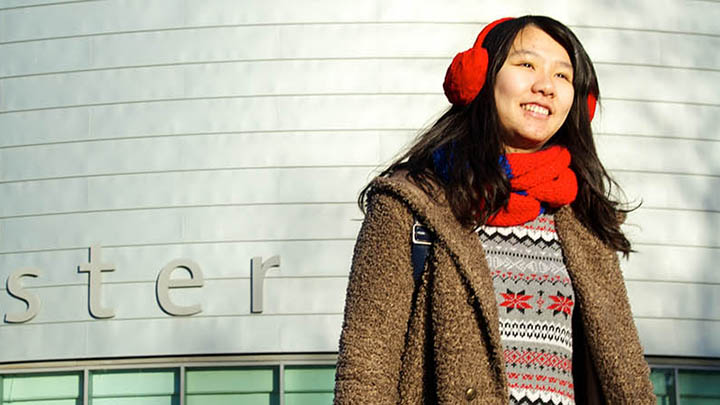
(422,239)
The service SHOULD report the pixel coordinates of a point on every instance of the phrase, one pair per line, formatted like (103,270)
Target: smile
(536,109)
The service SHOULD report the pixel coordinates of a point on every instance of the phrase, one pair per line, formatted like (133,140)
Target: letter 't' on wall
(14,288)
(95,267)
(165,283)
(258,270)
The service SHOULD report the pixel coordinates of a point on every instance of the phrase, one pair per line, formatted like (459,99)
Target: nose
(544,85)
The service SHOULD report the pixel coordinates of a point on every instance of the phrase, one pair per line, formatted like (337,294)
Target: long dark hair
(471,138)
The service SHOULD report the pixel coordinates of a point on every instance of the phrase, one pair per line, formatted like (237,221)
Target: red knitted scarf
(542,177)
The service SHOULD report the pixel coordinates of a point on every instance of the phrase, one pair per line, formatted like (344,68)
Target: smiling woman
(486,269)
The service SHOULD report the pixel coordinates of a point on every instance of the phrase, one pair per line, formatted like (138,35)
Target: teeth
(536,109)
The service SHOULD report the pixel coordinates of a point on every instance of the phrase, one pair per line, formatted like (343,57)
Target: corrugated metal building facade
(184,138)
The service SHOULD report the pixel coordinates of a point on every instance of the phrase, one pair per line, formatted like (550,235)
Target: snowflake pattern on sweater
(535,301)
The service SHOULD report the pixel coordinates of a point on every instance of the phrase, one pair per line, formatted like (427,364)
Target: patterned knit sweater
(535,302)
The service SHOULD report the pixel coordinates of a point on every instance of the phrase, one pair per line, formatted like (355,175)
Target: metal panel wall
(219,130)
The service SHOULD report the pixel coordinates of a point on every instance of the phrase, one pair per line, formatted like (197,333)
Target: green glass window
(309,385)
(691,387)
(225,386)
(45,389)
(663,381)
(699,387)
(135,387)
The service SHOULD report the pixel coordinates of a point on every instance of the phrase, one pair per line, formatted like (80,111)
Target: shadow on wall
(658,136)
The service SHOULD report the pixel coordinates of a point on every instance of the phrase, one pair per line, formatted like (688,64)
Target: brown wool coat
(439,343)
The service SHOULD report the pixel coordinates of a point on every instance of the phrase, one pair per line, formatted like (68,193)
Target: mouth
(536,108)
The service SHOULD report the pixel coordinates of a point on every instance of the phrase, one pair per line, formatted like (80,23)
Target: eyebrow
(532,53)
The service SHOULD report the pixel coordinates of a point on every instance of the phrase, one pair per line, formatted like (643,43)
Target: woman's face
(533,90)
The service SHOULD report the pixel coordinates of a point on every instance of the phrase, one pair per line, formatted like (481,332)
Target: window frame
(180,364)
(677,364)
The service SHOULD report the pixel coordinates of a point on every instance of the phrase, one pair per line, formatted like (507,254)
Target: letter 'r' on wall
(164,284)
(258,270)
(14,288)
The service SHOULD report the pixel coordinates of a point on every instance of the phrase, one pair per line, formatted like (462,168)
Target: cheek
(566,100)
(506,86)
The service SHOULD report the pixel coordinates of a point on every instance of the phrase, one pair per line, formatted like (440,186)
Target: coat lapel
(588,259)
(464,247)
(589,262)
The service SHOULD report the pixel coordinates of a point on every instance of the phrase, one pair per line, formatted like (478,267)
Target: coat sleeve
(377,306)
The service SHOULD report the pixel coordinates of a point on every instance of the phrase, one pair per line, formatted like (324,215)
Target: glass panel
(45,389)
(247,385)
(131,387)
(663,380)
(699,387)
(306,385)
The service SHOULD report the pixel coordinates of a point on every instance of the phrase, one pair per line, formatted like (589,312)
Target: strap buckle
(421,235)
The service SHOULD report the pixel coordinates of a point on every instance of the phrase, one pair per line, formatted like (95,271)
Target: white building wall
(223,130)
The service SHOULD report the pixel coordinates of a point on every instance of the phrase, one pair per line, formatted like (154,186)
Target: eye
(527,65)
(564,76)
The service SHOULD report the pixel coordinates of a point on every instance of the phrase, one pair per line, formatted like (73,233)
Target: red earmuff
(466,74)
(591,101)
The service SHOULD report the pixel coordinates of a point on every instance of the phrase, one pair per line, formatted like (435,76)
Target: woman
(520,298)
